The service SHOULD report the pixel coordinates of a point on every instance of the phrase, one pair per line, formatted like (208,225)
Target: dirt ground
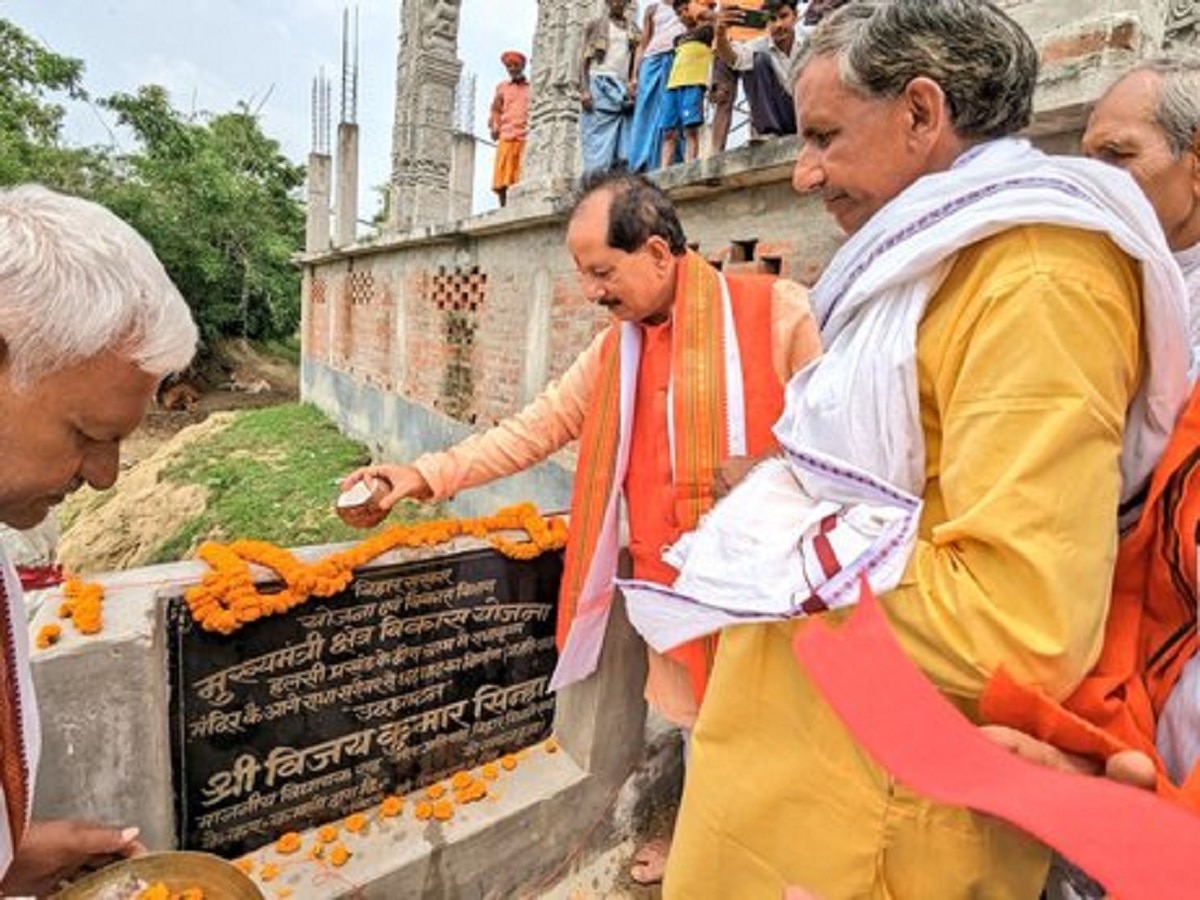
(224,389)
(122,527)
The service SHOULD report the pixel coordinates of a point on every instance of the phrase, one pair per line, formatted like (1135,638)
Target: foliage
(215,197)
(212,193)
(30,123)
(271,475)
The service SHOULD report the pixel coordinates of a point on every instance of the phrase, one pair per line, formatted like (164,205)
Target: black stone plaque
(413,672)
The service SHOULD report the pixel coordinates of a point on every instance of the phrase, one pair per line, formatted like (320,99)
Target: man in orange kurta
(508,123)
(632,257)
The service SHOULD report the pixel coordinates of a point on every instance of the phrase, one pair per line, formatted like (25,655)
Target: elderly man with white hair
(89,323)
(1148,124)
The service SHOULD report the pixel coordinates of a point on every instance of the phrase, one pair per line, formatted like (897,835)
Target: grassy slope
(271,475)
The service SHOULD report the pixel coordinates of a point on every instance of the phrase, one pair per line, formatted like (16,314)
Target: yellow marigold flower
(391,806)
(288,843)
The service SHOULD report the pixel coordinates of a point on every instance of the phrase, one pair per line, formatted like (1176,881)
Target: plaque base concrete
(106,755)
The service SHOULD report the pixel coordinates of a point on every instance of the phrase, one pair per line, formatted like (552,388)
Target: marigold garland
(227,598)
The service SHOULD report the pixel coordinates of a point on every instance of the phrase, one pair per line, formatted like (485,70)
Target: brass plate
(178,870)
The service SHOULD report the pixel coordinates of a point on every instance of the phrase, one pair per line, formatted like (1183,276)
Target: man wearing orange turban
(509,124)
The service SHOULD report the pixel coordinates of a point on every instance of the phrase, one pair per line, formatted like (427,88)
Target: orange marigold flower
(355,823)
(391,806)
(269,871)
(461,780)
(192,893)
(245,864)
(508,762)
(435,791)
(443,810)
(227,597)
(423,810)
(490,771)
(288,843)
(156,891)
(327,834)
(48,635)
(339,855)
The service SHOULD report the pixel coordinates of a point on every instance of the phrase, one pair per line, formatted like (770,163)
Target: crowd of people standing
(647,88)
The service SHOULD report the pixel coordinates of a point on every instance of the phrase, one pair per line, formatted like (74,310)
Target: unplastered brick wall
(365,326)
(316,312)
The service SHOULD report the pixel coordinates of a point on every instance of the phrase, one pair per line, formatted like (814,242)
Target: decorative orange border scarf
(700,409)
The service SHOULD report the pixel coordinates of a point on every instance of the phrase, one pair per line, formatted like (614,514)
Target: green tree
(212,193)
(31,122)
(217,199)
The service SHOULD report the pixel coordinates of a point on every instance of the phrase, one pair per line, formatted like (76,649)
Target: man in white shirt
(605,87)
(89,323)
(768,63)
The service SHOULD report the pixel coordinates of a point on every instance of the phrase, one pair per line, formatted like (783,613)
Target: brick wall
(460,320)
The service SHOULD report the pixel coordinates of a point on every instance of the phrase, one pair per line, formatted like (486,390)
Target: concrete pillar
(462,175)
(347,184)
(427,71)
(316,228)
(552,156)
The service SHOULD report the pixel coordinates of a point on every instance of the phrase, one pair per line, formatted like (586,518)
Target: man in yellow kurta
(1001,343)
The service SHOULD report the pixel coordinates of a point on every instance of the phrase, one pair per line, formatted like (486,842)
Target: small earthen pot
(359,506)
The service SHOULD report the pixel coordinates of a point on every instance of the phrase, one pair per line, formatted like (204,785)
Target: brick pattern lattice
(458,295)
(318,318)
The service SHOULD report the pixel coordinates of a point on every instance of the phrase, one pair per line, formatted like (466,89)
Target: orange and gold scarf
(705,431)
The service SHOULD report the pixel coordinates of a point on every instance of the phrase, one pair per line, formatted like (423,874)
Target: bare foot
(650,861)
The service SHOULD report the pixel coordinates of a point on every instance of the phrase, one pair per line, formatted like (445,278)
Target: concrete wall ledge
(106,755)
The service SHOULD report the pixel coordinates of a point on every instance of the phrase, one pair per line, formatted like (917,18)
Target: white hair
(76,281)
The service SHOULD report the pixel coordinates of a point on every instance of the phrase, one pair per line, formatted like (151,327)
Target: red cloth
(1133,843)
